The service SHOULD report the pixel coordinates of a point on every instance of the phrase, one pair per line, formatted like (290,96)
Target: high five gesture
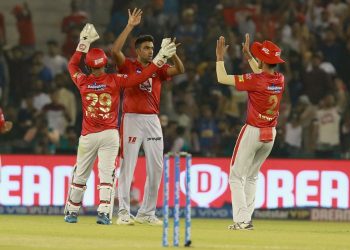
(134,17)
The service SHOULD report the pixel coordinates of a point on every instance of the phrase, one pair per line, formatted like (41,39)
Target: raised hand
(164,53)
(89,33)
(134,17)
(7,127)
(174,41)
(87,36)
(245,47)
(165,42)
(221,48)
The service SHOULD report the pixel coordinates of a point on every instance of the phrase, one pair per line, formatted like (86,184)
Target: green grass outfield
(51,232)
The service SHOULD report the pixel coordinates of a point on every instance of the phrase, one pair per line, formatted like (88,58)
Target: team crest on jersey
(138,71)
(97,87)
(274,88)
(240,78)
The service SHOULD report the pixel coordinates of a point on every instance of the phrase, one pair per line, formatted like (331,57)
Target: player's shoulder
(276,76)
(130,61)
(79,76)
(279,75)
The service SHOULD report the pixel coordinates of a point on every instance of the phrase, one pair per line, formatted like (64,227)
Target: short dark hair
(143,38)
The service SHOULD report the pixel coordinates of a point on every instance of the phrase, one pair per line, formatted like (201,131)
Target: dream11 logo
(208,182)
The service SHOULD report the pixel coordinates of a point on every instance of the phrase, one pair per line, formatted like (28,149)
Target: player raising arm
(119,57)
(255,141)
(99,137)
(140,123)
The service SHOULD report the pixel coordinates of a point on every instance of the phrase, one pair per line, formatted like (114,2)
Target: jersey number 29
(105,102)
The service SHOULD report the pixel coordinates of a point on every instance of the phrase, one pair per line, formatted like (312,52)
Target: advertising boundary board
(34,180)
(313,214)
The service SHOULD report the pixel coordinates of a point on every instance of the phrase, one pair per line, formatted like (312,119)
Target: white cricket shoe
(151,220)
(124,218)
(241,226)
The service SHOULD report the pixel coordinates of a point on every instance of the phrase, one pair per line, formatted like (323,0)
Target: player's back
(100,101)
(264,100)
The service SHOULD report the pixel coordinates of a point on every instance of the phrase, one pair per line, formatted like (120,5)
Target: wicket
(176,234)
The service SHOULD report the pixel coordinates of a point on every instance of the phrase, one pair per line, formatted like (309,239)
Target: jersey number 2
(273,100)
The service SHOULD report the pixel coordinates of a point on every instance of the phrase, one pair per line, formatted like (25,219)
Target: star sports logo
(96,86)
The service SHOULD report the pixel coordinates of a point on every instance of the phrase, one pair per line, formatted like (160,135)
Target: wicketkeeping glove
(164,54)
(87,36)
(165,42)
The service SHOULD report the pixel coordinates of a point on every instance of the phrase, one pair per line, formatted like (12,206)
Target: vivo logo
(208,182)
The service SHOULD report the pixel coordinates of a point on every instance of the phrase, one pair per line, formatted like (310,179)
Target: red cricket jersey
(100,95)
(264,97)
(2,118)
(145,97)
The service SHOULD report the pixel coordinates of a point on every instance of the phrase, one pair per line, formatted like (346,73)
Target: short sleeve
(246,82)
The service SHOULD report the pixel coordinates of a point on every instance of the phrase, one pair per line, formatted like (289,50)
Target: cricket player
(5,126)
(99,137)
(140,123)
(265,88)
